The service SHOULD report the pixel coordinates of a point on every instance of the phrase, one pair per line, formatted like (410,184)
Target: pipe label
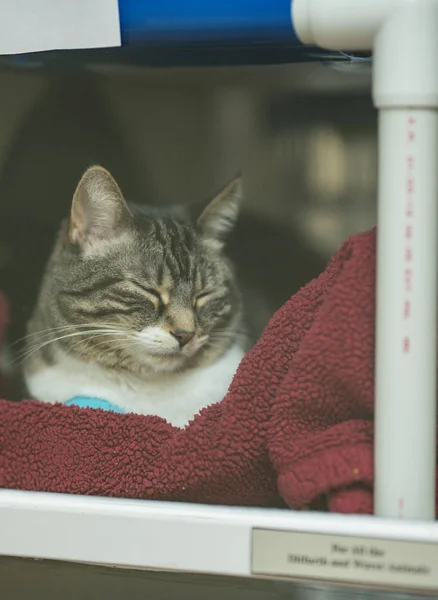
(40,25)
(347,559)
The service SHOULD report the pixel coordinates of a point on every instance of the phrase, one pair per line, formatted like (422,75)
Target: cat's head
(157,289)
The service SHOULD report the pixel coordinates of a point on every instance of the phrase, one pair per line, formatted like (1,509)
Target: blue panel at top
(221,22)
(164,33)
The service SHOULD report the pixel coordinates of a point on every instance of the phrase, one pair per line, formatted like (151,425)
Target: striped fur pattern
(137,292)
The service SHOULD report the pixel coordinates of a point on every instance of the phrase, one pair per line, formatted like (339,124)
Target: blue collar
(84,402)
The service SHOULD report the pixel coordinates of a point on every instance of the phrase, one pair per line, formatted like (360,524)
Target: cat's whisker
(43,333)
(36,347)
(50,330)
(120,344)
(121,347)
(114,346)
(48,336)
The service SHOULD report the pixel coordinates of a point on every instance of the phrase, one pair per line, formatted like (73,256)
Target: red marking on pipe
(408,259)
(401,506)
(408,279)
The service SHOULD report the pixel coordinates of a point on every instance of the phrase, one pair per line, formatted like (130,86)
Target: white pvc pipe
(405,415)
(404,37)
(340,24)
(405,89)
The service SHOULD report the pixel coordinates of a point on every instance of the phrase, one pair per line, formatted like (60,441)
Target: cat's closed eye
(151,294)
(200,299)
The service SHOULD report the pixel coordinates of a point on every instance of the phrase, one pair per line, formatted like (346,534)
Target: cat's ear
(99,210)
(220,216)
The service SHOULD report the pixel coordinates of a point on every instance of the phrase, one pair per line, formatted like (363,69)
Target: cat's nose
(182,336)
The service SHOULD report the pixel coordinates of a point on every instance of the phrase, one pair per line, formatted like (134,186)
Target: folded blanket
(295,429)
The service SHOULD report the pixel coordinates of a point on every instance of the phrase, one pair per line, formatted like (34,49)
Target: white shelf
(189,537)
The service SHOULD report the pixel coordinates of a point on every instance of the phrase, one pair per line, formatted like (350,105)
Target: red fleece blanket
(296,427)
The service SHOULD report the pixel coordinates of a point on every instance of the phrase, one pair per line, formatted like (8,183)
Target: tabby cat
(137,306)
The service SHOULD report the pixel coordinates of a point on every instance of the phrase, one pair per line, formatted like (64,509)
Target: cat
(138,306)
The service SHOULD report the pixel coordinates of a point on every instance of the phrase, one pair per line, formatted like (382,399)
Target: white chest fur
(177,397)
